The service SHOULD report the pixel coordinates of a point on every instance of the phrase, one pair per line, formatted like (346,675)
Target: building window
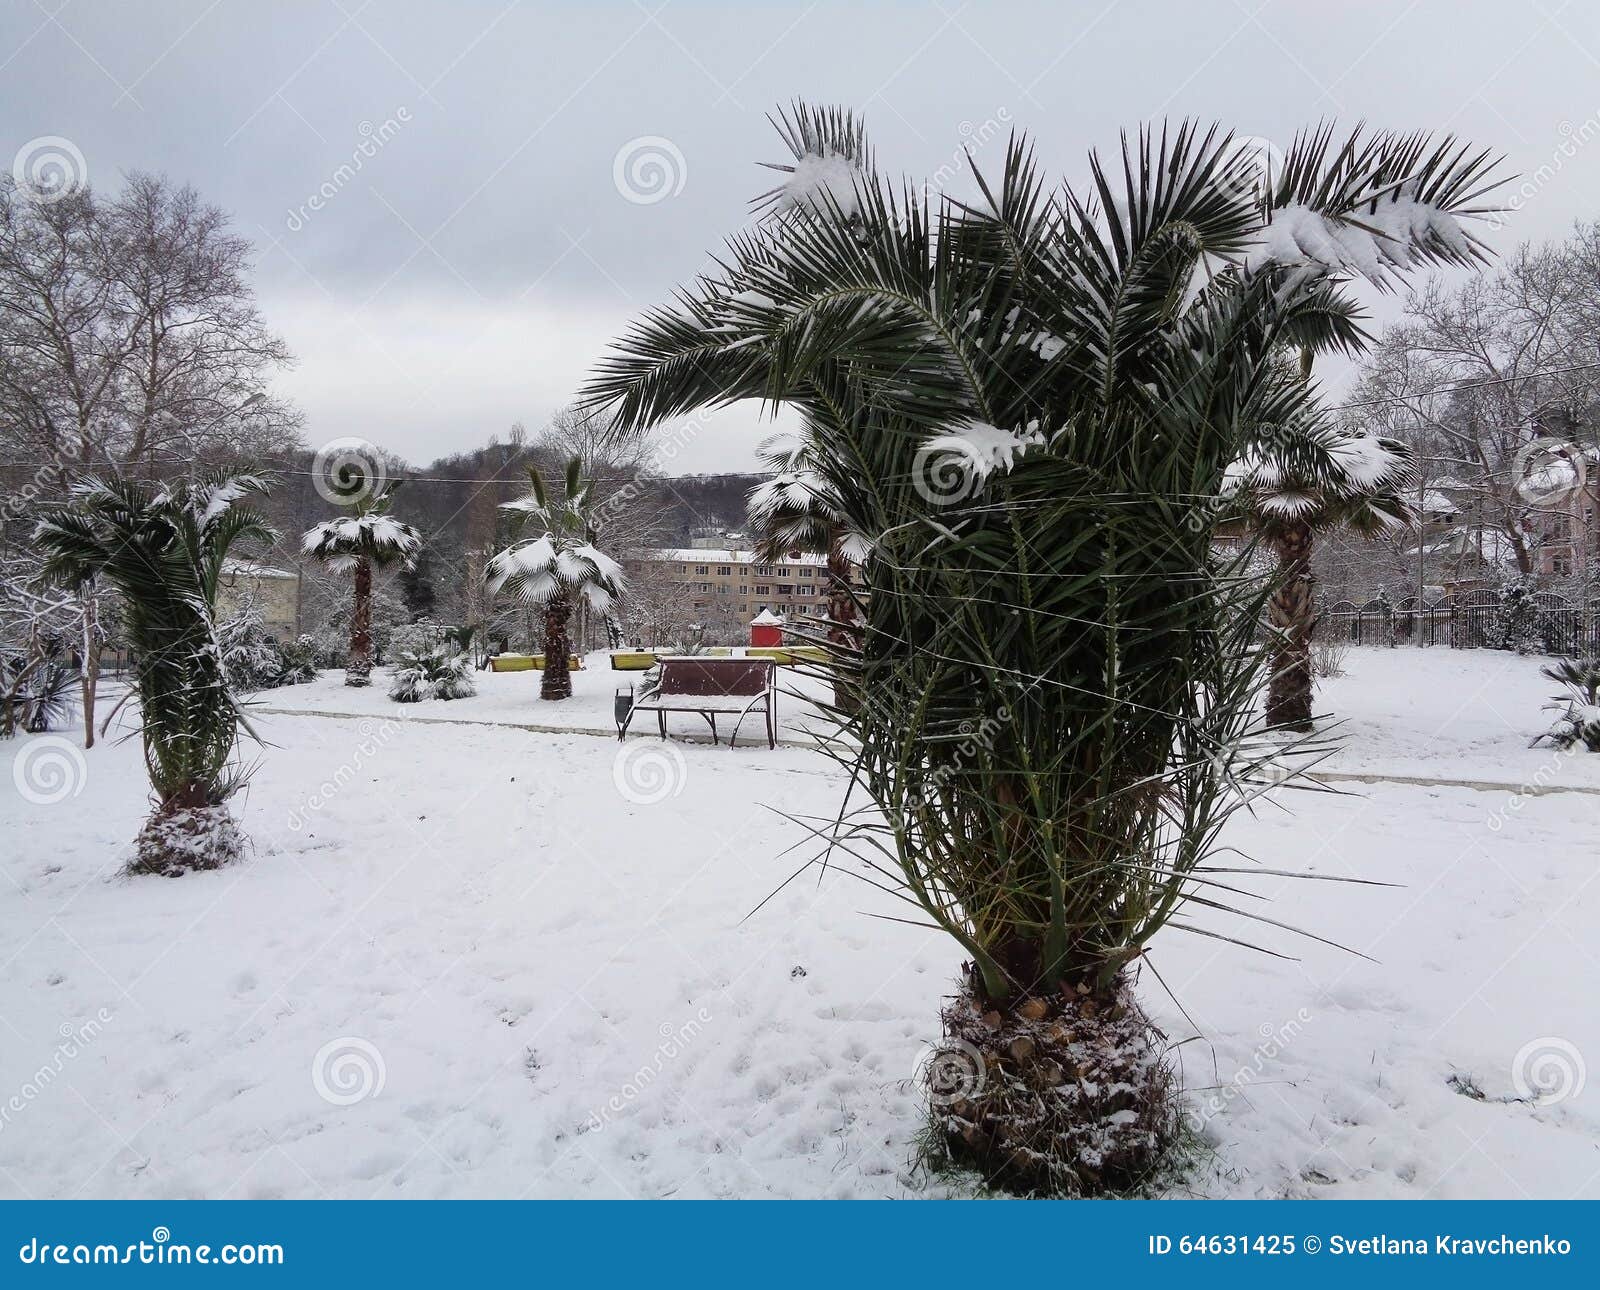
(762,589)
(724,569)
(701,569)
(763,570)
(808,572)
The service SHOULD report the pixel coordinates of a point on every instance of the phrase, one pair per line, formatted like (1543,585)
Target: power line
(745,474)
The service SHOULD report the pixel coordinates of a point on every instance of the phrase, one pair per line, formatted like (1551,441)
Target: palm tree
(1287,491)
(1022,403)
(357,544)
(796,510)
(164,552)
(556,569)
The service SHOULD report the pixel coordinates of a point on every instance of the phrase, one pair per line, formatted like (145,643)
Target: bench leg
(661,720)
(714,730)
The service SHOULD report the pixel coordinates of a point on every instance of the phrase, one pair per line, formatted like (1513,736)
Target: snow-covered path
(470,961)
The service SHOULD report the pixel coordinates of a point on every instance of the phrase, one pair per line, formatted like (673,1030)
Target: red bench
(708,686)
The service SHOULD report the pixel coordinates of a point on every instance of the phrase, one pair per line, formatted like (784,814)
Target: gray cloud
(433,191)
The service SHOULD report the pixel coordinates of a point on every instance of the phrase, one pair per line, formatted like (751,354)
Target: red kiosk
(766,630)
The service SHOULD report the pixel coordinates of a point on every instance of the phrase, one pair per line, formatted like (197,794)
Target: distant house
(1565,490)
(275,591)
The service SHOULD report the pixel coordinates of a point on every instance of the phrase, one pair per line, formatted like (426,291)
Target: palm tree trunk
(843,631)
(358,667)
(1292,613)
(89,676)
(557,680)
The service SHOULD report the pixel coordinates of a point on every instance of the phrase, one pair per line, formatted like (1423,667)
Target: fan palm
(1288,491)
(1024,403)
(357,544)
(557,568)
(164,552)
(796,510)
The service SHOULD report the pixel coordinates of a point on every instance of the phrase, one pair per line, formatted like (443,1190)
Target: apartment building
(795,586)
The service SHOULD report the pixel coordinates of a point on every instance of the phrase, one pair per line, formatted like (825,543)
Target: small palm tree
(164,552)
(357,544)
(1022,401)
(799,510)
(557,568)
(1290,488)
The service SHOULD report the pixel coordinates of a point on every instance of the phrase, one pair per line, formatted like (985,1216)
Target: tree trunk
(557,680)
(89,674)
(1059,1092)
(844,631)
(1292,613)
(358,667)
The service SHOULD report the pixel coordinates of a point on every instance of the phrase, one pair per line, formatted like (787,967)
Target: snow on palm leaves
(557,568)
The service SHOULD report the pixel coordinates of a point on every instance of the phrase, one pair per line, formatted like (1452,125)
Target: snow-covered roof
(250,569)
(766,618)
(707,555)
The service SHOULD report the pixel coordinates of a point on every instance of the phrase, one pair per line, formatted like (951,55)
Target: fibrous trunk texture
(179,839)
(557,680)
(1292,613)
(844,631)
(1066,1094)
(358,667)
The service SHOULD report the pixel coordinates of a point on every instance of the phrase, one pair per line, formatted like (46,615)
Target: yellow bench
(624,660)
(786,655)
(529,663)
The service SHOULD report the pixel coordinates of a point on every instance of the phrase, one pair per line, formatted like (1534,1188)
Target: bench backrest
(708,677)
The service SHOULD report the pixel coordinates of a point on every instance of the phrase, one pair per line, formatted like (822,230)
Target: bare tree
(1477,373)
(129,342)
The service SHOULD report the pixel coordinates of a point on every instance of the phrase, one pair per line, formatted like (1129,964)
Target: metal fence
(1468,621)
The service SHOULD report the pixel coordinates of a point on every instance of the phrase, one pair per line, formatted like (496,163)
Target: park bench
(709,686)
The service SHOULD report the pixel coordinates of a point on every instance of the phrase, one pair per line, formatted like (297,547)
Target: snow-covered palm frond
(832,161)
(380,538)
(371,533)
(1057,339)
(561,562)
(1323,475)
(164,551)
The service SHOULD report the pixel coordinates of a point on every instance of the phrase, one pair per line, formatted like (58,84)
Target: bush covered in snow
(441,671)
(1579,706)
(254,659)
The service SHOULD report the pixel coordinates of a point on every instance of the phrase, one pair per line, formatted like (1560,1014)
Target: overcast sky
(538,173)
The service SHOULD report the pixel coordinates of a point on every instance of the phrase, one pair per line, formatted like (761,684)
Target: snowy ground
(478,961)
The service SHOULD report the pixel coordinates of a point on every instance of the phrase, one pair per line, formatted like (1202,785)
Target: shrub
(1328,656)
(1579,706)
(439,672)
